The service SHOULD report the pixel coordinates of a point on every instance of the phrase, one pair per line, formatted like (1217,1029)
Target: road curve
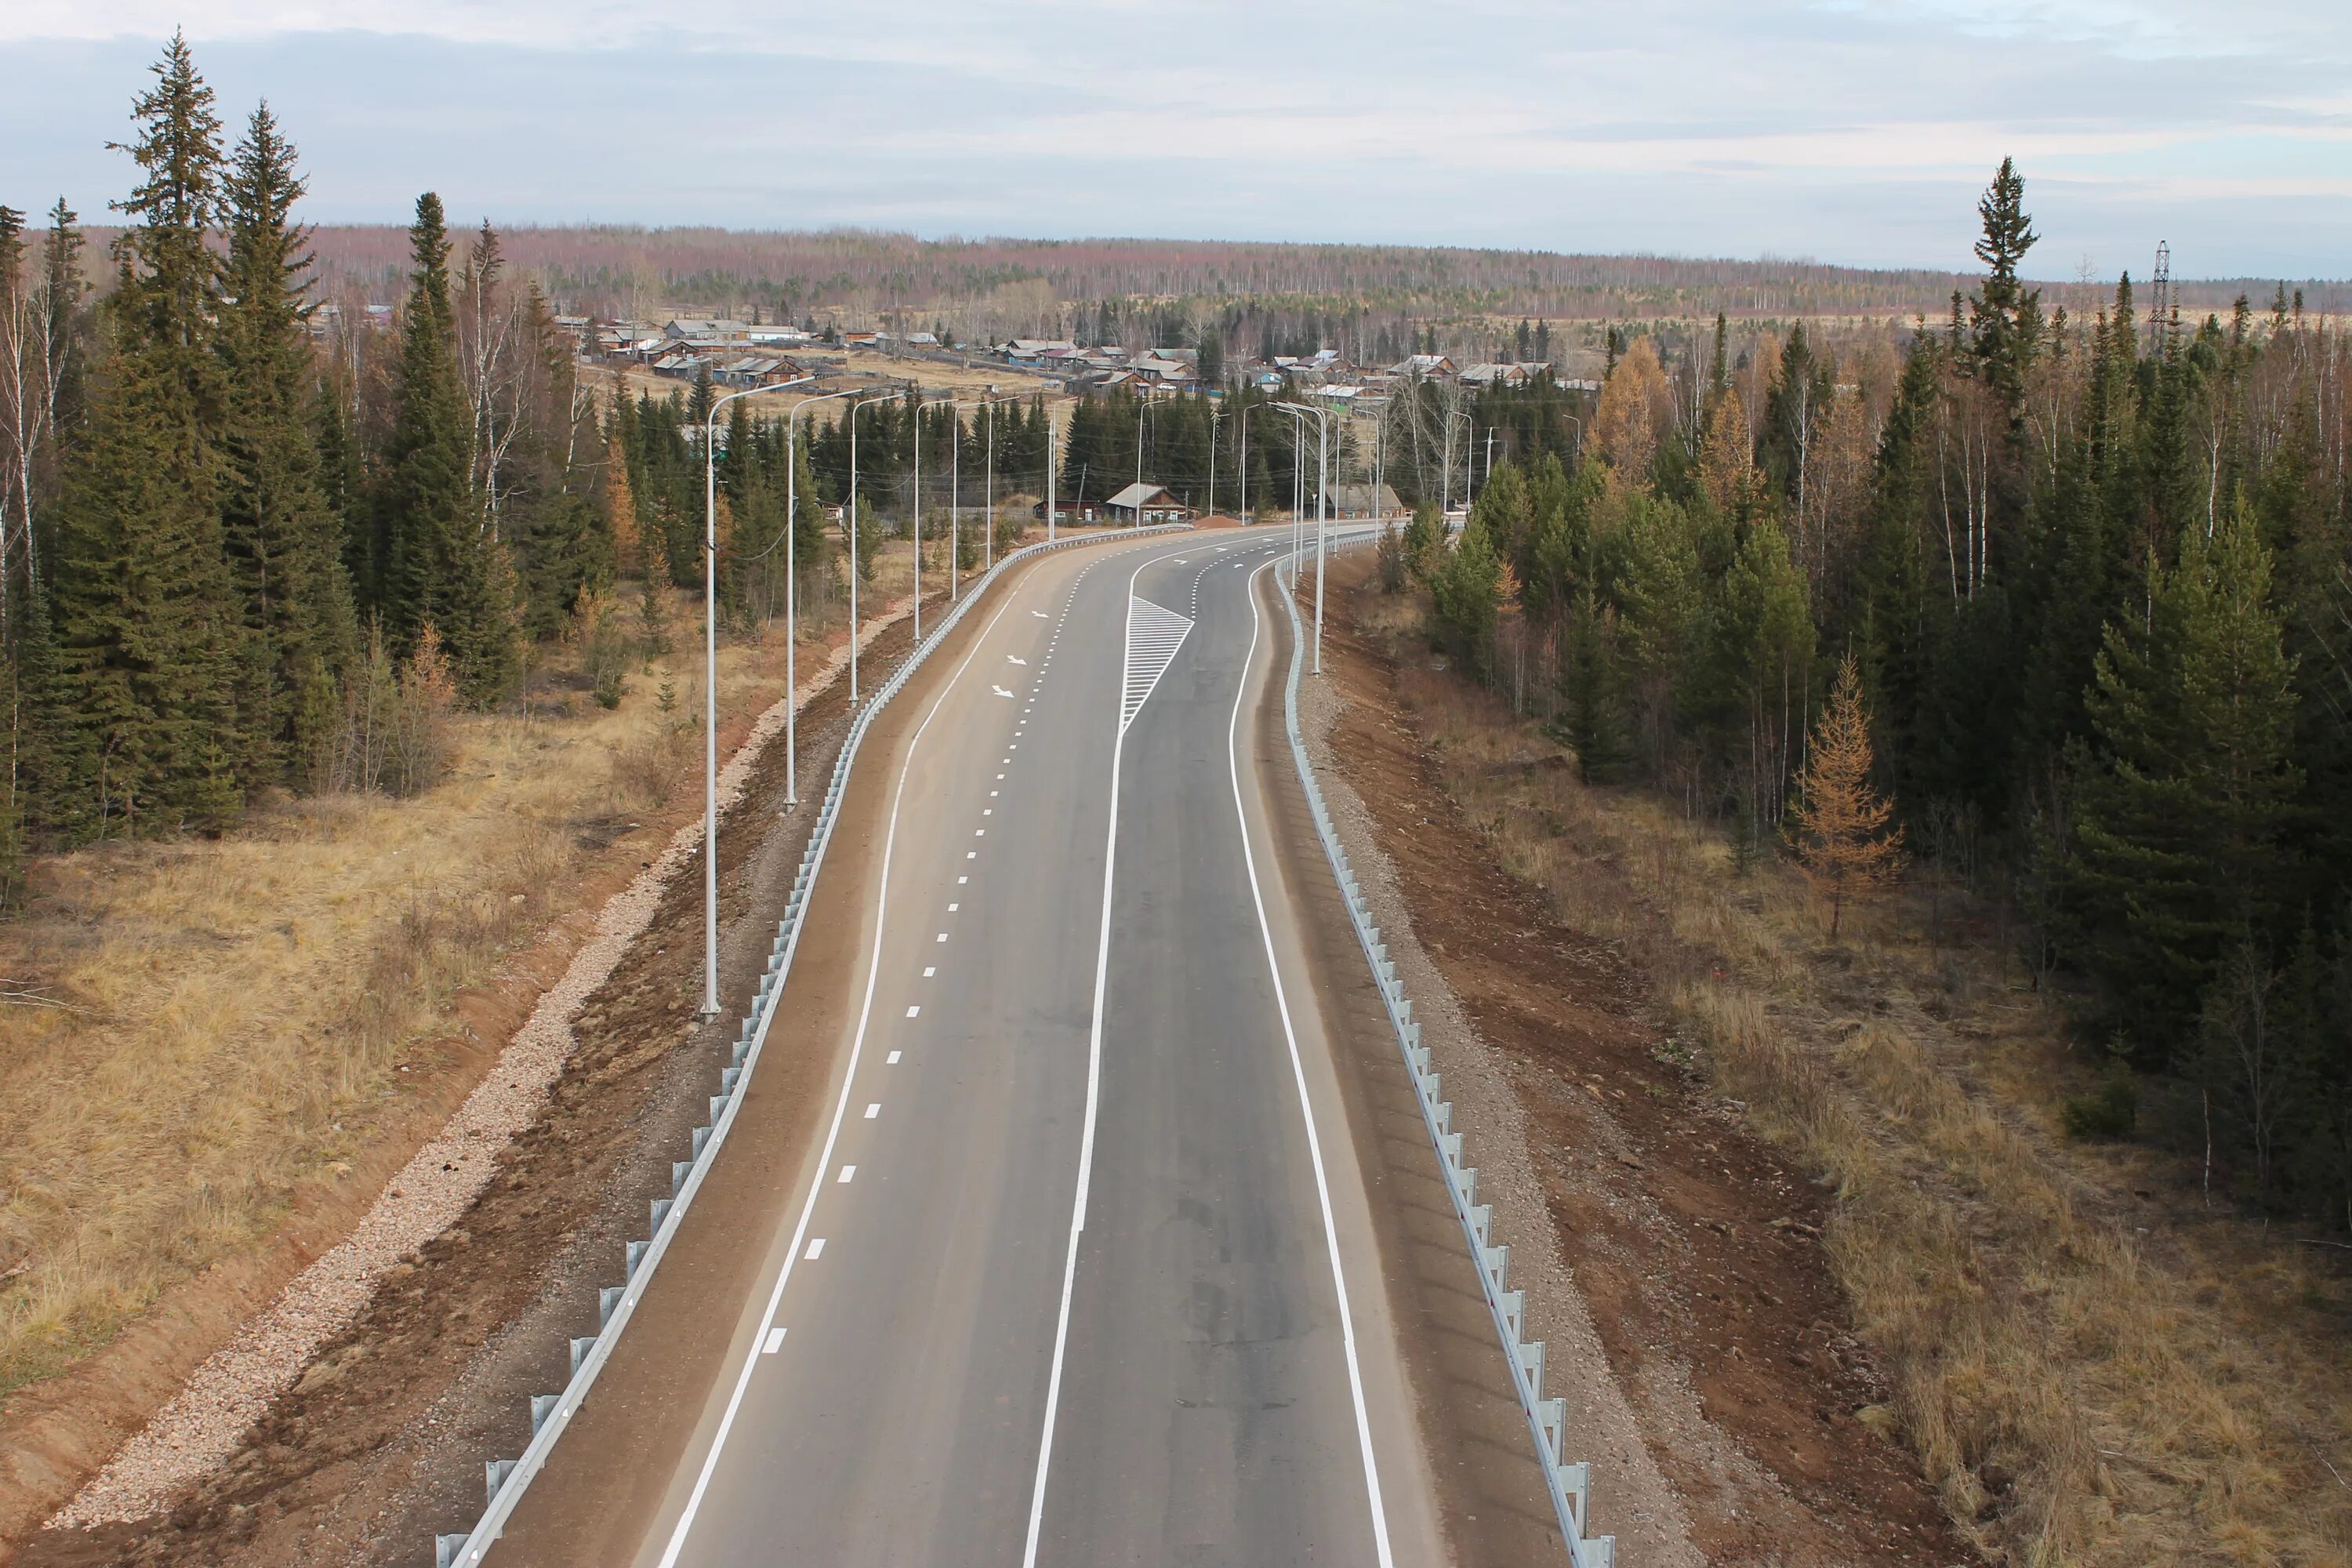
(1079,1266)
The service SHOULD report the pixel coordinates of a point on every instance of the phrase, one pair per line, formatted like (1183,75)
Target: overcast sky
(1850,131)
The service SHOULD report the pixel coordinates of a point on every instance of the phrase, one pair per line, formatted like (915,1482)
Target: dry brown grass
(2093,1368)
(238,1012)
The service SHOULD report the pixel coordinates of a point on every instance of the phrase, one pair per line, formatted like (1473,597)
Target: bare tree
(36,346)
(490,328)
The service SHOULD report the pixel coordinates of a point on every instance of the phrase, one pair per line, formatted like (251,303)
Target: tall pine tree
(283,536)
(2185,794)
(140,707)
(440,570)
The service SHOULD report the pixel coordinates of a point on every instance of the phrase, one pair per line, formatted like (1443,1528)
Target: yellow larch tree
(1633,402)
(1844,839)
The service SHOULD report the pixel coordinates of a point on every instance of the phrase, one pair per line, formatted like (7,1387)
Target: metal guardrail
(551,1413)
(1569,1484)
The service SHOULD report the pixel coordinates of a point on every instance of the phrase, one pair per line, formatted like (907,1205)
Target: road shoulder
(1474,1446)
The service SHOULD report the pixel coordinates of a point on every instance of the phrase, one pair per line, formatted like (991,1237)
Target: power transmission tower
(2163,303)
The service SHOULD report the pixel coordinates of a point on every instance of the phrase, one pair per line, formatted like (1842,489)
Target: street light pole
(852,520)
(792,595)
(710,694)
(919,406)
(1297,488)
(988,549)
(1322,511)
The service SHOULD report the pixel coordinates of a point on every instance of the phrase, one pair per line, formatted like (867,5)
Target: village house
(1141,503)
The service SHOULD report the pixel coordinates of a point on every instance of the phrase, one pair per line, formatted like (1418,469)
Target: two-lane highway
(1081,1271)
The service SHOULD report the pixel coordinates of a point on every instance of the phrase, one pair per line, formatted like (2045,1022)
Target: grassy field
(223,1027)
(2094,1365)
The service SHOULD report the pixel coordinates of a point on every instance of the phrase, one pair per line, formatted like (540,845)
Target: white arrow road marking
(1016,660)
(1000,690)
(1041,615)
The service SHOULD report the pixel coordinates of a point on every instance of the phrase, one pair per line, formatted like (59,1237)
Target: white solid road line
(677,1545)
(1094,1101)
(1305,1109)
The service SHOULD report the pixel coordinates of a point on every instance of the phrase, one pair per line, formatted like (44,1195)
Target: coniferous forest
(2094,577)
(2097,579)
(248,547)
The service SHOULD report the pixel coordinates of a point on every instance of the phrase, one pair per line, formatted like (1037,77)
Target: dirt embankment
(1696,1247)
(381,1443)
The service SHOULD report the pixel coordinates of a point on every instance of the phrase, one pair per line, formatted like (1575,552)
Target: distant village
(751,353)
(739,354)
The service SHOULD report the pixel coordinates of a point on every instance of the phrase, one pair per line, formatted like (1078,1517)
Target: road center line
(1094,1102)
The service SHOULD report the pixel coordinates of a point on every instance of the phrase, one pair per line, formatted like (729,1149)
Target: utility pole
(1213,459)
(1241,456)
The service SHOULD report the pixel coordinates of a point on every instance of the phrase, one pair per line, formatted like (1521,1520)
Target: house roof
(1141,494)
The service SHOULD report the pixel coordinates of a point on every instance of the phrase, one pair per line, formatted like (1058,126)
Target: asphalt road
(1082,1273)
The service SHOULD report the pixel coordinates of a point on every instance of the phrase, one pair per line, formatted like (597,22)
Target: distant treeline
(1036,285)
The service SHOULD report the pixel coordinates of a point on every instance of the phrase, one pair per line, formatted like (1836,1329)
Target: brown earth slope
(1696,1246)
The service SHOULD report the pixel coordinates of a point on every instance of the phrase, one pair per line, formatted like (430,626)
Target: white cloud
(1851,129)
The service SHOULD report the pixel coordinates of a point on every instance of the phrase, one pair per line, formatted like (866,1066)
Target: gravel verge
(203,1426)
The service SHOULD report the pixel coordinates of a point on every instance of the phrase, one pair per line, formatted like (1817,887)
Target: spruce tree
(140,708)
(2178,844)
(441,568)
(281,533)
(2004,316)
